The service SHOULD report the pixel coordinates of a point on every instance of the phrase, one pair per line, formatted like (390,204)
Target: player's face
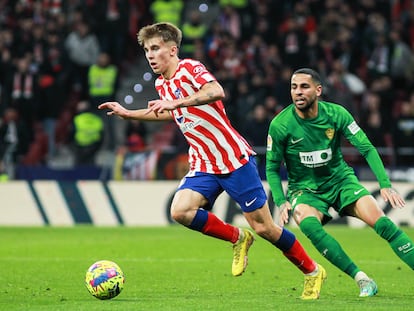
(304,91)
(160,55)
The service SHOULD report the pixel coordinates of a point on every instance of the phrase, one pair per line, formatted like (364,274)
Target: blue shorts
(243,185)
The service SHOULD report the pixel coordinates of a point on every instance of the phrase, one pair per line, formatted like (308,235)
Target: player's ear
(319,90)
(173,50)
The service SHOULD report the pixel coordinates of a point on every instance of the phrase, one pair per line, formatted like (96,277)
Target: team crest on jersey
(177,93)
(198,69)
(330,133)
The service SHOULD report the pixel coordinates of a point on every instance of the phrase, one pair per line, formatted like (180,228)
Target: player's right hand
(115,108)
(284,213)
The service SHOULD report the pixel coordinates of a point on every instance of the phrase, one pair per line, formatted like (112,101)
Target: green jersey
(311,150)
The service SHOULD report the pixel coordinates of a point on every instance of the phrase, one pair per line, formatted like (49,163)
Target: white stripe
(53,202)
(18,207)
(142,202)
(97,203)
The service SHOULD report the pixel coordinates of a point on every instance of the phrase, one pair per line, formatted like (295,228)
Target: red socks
(210,224)
(215,227)
(298,256)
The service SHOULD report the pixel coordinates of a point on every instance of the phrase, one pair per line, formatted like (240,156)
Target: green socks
(327,245)
(399,241)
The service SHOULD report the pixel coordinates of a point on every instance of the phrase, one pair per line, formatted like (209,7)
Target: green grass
(173,268)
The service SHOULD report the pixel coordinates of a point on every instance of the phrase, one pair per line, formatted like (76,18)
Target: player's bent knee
(182,215)
(178,214)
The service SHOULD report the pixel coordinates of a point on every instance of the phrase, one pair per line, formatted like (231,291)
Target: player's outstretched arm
(115,108)
(393,197)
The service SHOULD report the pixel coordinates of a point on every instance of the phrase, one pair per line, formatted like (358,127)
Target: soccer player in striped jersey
(220,158)
(306,135)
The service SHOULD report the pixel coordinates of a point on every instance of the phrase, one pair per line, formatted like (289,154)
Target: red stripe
(217,143)
(203,166)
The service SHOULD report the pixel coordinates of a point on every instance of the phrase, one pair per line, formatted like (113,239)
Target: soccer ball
(104,279)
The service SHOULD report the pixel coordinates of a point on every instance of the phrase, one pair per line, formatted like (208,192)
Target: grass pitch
(173,268)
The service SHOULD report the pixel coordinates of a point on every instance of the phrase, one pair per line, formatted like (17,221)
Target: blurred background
(59,59)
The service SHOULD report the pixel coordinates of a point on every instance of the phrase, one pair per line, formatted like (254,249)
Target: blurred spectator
(167,11)
(23,33)
(21,91)
(272,106)
(87,134)
(112,26)
(6,70)
(343,86)
(256,126)
(83,49)
(255,131)
(256,51)
(244,102)
(14,140)
(371,120)
(374,31)
(252,46)
(193,30)
(313,49)
(380,57)
(402,61)
(292,44)
(384,88)
(52,90)
(281,88)
(230,22)
(103,81)
(136,136)
(403,134)
(38,46)
(214,39)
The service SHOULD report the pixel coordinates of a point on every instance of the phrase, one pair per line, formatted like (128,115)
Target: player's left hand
(393,197)
(159,106)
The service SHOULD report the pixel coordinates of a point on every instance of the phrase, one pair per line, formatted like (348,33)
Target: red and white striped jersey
(215,146)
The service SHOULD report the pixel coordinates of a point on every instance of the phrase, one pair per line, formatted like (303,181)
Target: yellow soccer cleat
(313,284)
(240,250)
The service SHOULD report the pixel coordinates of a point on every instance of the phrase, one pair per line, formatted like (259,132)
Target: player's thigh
(202,190)
(366,209)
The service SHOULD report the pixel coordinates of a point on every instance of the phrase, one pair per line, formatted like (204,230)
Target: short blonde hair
(167,31)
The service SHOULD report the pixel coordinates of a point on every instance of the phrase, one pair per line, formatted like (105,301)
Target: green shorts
(338,195)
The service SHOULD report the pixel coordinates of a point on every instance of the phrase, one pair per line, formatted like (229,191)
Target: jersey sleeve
(357,137)
(197,73)
(274,158)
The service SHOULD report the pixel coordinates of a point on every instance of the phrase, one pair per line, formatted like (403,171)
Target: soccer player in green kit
(306,135)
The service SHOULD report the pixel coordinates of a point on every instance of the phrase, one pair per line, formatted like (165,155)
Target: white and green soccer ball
(104,279)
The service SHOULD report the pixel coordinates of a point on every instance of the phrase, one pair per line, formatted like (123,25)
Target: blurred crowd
(55,54)
(58,57)
(363,50)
